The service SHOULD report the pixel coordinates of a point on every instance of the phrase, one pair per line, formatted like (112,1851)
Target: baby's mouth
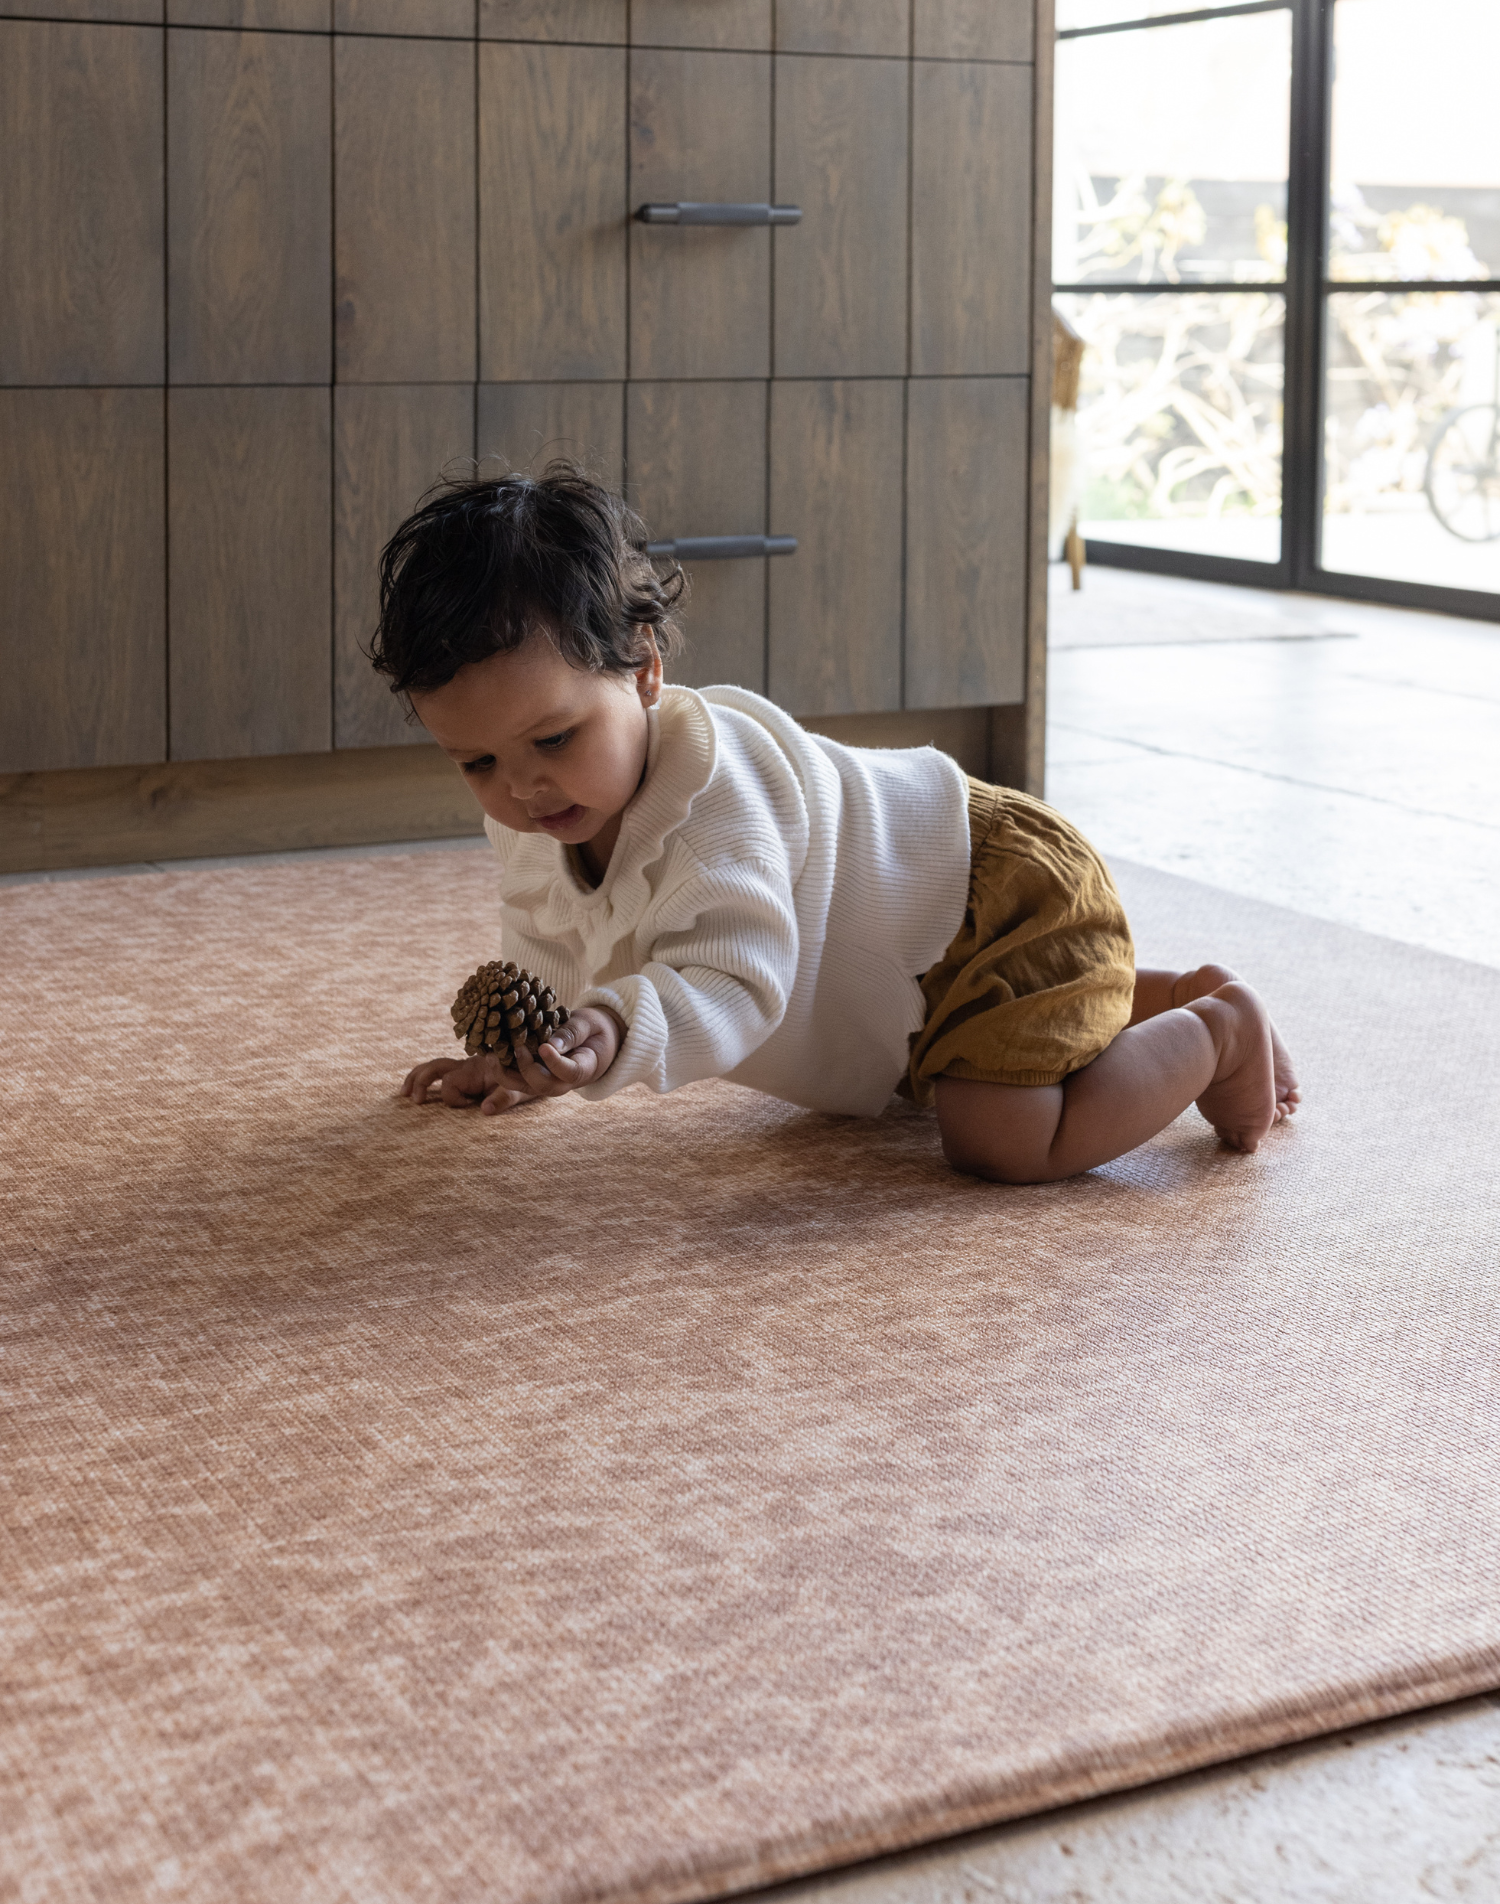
(559,822)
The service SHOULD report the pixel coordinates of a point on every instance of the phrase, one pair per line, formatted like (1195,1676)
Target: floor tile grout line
(1290,780)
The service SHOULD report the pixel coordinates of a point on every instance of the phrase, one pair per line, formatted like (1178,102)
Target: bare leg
(1215,1051)
(1157,991)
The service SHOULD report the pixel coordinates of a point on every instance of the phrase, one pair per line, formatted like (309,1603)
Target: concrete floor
(1357,780)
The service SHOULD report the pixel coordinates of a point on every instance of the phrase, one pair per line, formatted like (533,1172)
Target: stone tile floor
(1356,779)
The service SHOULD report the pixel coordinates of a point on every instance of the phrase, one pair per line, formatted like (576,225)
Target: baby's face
(546,747)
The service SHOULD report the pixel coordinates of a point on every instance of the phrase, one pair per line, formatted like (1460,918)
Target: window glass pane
(1416,154)
(1171,153)
(1179,420)
(1412,433)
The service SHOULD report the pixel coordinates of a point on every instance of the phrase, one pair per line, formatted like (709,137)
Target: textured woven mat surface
(644,1500)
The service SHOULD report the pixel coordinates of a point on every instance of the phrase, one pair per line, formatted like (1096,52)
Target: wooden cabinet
(695,465)
(739,24)
(844,26)
(841,155)
(267,266)
(391,442)
(596,22)
(81,204)
(404,153)
(835,606)
(446,19)
(82,579)
(975,29)
(700,295)
(250,208)
(967,472)
(971,220)
(552,230)
(249,540)
(527,425)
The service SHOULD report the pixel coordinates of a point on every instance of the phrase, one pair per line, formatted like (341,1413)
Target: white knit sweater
(766,908)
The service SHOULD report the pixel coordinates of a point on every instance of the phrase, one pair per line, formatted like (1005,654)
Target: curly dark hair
(487,561)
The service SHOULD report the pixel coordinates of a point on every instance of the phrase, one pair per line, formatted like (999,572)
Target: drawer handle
(722,548)
(689,212)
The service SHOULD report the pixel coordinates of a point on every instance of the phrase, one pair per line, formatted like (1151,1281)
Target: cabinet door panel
(405,247)
(251,209)
(82,579)
(80,204)
(971,220)
(445,19)
(973,29)
(601,22)
(552,212)
(526,425)
(282,16)
(248,507)
(391,442)
(967,480)
(146,12)
(742,24)
(841,138)
(844,26)
(700,295)
(835,606)
(695,459)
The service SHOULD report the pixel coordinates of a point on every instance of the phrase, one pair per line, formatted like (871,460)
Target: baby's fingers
(421,1077)
(570,1071)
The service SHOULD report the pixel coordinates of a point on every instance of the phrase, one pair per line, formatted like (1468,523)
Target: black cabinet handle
(722,548)
(689,212)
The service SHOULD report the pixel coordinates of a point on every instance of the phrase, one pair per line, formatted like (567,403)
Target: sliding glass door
(1274,226)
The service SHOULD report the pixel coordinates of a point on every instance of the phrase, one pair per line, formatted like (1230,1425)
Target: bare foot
(1241,1103)
(1208,979)
(1288,1091)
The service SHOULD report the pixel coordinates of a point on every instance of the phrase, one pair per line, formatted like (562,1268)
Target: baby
(718,893)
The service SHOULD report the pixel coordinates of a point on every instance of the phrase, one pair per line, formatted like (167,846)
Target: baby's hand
(576,1053)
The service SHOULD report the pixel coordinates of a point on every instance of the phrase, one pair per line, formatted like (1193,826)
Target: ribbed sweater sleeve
(724,956)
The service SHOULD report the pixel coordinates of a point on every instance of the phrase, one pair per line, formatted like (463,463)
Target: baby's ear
(648,674)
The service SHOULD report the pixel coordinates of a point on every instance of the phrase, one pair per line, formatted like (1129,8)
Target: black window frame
(1307,290)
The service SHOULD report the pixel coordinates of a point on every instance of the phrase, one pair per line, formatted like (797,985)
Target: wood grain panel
(525,425)
(971,220)
(841,154)
(147,12)
(110,816)
(742,24)
(249,567)
(552,211)
(80,204)
(966,540)
(973,29)
(82,578)
(282,16)
(844,26)
(391,442)
(695,459)
(700,296)
(446,19)
(404,310)
(249,232)
(835,606)
(599,21)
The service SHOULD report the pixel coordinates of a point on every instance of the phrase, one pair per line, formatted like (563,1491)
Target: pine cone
(502,1007)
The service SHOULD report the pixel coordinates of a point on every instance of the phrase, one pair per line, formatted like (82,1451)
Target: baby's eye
(482,764)
(555,741)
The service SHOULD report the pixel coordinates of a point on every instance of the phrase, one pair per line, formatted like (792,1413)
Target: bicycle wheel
(1463,473)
